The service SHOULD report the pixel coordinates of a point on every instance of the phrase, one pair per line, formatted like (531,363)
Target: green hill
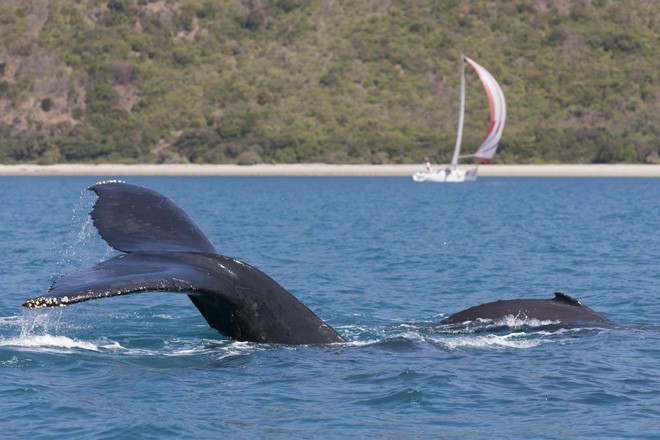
(339,81)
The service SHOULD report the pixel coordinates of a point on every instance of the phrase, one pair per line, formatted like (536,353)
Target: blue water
(379,259)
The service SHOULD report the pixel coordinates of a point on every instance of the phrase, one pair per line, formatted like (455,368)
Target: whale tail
(164,250)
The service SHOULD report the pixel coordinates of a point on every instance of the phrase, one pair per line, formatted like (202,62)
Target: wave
(47,332)
(511,332)
(48,342)
(407,337)
(513,340)
(43,332)
(220,349)
(510,322)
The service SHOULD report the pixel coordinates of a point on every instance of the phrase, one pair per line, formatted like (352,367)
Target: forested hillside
(338,81)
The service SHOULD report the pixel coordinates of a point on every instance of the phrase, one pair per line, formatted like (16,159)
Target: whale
(163,249)
(562,309)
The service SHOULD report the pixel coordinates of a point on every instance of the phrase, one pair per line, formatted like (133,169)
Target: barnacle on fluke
(104,182)
(42,301)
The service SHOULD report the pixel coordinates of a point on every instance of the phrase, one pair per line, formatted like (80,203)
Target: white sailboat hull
(446,175)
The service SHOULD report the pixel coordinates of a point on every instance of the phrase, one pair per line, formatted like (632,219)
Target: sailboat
(487,149)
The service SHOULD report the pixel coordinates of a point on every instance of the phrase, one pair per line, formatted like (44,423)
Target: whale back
(561,309)
(132,218)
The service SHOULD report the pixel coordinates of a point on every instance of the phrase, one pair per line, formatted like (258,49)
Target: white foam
(10,320)
(48,342)
(522,321)
(165,316)
(410,335)
(360,343)
(509,321)
(114,345)
(14,361)
(221,348)
(513,340)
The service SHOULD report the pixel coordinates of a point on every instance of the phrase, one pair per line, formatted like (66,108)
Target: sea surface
(379,259)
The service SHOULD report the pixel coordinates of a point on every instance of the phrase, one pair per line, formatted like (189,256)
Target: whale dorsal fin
(132,218)
(567,299)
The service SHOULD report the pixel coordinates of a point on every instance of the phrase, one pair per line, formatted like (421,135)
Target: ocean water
(379,259)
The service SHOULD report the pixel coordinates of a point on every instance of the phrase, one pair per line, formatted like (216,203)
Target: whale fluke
(166,251)
(134,218)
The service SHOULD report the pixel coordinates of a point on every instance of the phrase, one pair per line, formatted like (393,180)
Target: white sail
(497,103)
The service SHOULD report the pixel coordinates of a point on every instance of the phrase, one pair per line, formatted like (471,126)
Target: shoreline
(318,169)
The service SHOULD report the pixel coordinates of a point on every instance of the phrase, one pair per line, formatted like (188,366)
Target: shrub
(46,104)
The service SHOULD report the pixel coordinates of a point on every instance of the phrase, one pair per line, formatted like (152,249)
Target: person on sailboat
(426,165)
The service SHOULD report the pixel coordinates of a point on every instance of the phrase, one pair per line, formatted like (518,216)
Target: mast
(461,112)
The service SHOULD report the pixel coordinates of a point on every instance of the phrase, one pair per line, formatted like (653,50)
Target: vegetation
(338,81)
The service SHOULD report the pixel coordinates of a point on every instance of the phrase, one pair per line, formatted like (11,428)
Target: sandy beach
(317,169)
